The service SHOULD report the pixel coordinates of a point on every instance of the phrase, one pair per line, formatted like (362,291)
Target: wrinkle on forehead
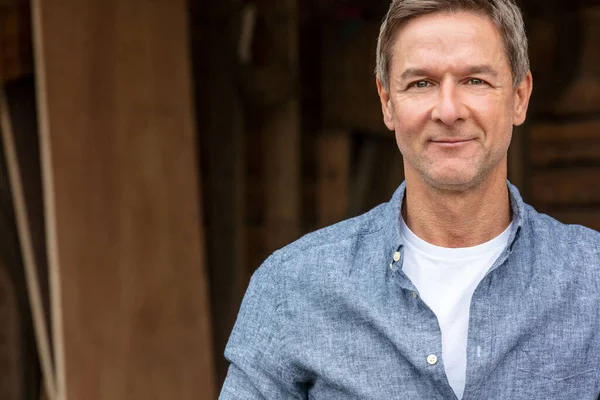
(448,41)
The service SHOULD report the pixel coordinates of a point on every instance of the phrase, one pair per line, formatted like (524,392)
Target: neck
(457,218)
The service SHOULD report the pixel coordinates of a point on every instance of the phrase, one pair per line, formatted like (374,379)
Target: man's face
(451,100)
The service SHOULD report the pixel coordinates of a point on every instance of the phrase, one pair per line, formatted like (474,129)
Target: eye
(420,85)
(476,82)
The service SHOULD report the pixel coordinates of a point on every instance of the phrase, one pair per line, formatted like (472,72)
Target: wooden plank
(590,57)
(28,244)
(16,58)
(21,99)
(395,172)
(378,173)
(129,295)
(565,186)
(387,171)
(583,95)
(333,176)
(541,41)
(283,177)
(350,99)
(10,366)
(516,157)
(362,177)
(223,154)
(281,128)
(10,249)
(577,142)
(561,133)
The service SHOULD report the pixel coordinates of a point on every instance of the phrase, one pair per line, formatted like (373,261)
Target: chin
(452,180)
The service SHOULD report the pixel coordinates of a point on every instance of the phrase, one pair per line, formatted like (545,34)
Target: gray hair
(505,14)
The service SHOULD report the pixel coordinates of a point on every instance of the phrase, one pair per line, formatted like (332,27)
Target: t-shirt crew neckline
(458,253)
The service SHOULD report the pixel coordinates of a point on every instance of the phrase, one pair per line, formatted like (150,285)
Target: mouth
(451,142)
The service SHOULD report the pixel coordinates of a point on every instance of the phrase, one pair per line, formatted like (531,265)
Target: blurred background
(165,148)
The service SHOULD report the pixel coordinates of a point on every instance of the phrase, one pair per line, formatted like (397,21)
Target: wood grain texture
(122,201)
(333,176)
(222,139)
(10,337)
(583,95)
(15,40)
(281,129)
(517,156)
(350,99)
(576,142)
(18,169)
(567,187)
(21,99)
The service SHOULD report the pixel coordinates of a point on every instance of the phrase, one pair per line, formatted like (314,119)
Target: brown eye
(476,82)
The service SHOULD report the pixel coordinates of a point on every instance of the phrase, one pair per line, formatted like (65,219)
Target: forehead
(446,40)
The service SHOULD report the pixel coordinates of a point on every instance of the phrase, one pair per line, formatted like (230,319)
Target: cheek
(495,117)
(410,117)
(406,140)
(488,105)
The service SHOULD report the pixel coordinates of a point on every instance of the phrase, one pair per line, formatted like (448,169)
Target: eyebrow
(470,70)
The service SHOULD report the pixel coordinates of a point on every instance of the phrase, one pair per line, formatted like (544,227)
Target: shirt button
(432,359)
(415,295)
(397,256)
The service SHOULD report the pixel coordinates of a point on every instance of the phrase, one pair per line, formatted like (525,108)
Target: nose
(449,108)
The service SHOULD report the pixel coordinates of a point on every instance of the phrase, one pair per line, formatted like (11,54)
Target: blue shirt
(333,316)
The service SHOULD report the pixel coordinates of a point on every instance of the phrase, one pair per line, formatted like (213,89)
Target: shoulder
(546,226)
(575,243)
(339,240)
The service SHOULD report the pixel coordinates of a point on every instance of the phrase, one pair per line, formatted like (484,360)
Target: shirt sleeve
(258,368)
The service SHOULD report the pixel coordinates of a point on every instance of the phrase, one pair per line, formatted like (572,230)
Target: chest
(537,338)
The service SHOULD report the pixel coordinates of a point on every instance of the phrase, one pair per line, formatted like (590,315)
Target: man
(453,289)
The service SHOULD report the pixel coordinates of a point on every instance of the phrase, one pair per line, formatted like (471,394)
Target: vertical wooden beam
(15,40)
(396,170)
(363,177)
(26,234)
(517,157)
(333,176)
(129,295)
(10,385)
(222,141)
(282,128)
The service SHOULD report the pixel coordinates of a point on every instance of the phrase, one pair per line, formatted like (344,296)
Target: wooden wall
(19,360)
(15,40)
(563,137)
(125,240)
(249,118)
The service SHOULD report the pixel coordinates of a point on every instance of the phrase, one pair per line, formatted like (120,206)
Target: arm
(258,368)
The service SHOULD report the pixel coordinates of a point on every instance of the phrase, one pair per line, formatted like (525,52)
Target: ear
(522,96)
(386,105)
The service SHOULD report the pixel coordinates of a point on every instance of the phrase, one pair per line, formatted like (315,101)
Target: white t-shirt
(446,279)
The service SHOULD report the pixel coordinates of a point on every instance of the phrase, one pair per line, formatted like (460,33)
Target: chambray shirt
(333,316)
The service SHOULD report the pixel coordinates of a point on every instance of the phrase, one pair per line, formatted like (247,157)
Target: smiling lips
(451,142)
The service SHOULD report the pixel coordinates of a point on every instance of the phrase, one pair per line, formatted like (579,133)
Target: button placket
(395,258)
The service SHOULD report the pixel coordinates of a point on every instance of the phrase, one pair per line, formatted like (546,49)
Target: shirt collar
(394,207)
